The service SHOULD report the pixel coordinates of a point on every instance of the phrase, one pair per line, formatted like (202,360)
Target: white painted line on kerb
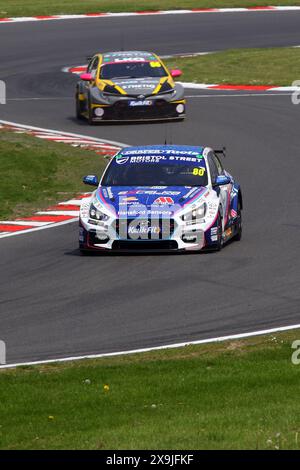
(60,133)
(36,229)
(24,223)
(224,87)
(65,213)
(71,202)
(156,348)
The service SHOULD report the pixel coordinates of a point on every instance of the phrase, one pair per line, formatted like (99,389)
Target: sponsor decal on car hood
(138,86)
(132,201)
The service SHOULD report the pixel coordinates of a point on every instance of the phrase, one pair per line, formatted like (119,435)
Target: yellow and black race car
(129,86)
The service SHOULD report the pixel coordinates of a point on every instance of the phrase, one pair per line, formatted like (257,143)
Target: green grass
(44,7)
(34,173)
(274,66)
(231,395)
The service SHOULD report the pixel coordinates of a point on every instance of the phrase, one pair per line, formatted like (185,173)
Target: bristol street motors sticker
(121,160)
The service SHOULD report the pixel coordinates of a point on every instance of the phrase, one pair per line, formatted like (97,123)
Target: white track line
(40,99)
(155,348)
(239,95)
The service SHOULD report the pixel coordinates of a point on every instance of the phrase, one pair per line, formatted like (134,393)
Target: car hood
(138,86)
(131,201)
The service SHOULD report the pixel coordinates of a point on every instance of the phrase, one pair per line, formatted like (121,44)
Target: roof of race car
(128,55)
(167,148)
(163,150)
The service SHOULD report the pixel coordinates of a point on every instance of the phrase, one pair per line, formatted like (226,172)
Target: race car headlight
(196,215)
(110,90)
(97,215)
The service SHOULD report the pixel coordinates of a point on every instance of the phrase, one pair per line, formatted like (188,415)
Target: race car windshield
(162,174)
(132,70)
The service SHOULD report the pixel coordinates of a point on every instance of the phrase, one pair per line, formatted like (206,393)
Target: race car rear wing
(221,152)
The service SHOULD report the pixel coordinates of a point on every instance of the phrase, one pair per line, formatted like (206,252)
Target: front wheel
(90,113)
(78,108)
(217,246)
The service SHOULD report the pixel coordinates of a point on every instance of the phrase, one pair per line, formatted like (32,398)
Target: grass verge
(44,7)
(34,173)
(232,395)
(274,66)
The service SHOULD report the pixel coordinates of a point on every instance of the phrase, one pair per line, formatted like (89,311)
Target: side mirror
(92,180)
(176,73)
(221,180)
(86,77)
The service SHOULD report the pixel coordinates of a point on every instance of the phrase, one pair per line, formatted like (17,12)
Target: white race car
(161,198)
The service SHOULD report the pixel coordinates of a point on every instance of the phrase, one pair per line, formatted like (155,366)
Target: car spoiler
(221,151)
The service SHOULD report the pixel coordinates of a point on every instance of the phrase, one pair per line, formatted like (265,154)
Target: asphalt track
(54,303)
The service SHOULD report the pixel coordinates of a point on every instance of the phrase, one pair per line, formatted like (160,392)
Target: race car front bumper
(107,237)
(125,110)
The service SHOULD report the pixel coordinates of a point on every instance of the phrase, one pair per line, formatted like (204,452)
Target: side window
(92,67)
(89,67)
(218,164)
(212,168)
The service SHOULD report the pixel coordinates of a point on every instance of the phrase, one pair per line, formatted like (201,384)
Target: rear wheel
(239,228)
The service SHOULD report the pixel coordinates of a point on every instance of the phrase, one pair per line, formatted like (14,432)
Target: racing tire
(239,228)
(78,109)
(219,244)
(90,114)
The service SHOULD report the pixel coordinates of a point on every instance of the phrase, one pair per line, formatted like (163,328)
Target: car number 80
(198,171)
